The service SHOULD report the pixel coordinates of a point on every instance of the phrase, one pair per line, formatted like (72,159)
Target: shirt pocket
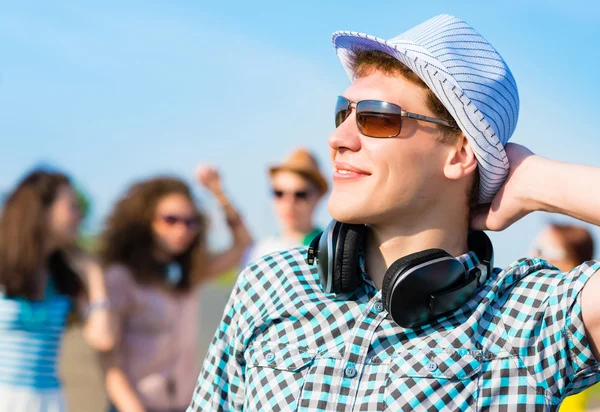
(275,375)
(433,379)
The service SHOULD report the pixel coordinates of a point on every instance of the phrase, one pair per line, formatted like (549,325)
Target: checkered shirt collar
(469,260)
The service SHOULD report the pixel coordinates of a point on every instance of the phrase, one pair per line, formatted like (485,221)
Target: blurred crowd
(135,292)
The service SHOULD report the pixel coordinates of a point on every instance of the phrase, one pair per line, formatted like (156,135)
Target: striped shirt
(284,344)
(30,338)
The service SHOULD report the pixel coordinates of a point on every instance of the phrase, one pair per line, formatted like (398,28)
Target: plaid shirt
(284,344)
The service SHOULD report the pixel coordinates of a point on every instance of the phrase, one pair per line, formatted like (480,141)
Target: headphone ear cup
(481,244)
(346,274)
(400,266)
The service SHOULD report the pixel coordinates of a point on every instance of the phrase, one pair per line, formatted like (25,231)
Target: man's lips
(346,171)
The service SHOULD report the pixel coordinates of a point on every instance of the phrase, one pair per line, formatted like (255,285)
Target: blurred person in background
(297,186)
(44,277)
(155,253)
(566,247)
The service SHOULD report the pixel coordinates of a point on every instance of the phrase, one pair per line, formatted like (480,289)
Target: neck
(387,243)
(161,256)
(297,234)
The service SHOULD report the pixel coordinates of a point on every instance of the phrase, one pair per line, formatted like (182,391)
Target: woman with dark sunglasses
(297,187)
(44,280)
(155,252)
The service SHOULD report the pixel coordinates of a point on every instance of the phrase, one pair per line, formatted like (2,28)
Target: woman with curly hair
(44,278)
(154,249)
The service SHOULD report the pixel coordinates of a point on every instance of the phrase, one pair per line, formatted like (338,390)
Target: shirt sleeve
(221,385)
(584,367)
(562,362)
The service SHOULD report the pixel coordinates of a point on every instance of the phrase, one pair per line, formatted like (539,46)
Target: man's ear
(461,160)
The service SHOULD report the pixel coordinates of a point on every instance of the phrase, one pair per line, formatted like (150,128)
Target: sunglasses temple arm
(427,119)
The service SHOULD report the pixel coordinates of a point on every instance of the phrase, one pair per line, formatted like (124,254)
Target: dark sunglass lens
(378,125)
(301,195)
(191,222)
(342,110)
(378,119)
(170,220)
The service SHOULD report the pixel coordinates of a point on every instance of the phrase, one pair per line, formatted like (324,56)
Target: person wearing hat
(297,186)
(397,305)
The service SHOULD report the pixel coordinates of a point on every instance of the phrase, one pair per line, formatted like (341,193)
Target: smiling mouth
(343,171)
(348,175)
(348,172)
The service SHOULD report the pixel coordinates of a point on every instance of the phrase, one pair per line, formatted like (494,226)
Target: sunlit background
(114,91)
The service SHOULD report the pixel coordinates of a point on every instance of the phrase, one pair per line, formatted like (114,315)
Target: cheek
(418,151)
(405,171)
(282,206)
(308,207)
(394,164)
(190,236)
(172,236)
(63,221)
(161,232)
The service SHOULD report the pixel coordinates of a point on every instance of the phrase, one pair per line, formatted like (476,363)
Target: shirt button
(350,372)
(378,307)
(270,357)
(432,366)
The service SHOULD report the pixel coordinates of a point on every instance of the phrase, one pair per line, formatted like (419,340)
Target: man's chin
(347,212)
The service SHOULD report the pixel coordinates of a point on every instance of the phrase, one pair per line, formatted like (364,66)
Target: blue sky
(113,92)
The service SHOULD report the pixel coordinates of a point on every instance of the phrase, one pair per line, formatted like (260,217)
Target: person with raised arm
(155,253)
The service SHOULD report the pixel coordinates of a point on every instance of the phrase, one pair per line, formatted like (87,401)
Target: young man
(297,186)
(421,137)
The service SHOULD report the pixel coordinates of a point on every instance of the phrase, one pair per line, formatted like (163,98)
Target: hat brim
(491,157)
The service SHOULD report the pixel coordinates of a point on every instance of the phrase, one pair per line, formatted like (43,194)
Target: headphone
(173,273)
(416,288)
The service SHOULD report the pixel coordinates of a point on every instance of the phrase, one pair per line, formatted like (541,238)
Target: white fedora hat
(468,76)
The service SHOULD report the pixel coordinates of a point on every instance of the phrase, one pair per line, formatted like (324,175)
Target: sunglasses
(172,220)
(376,118)
(298,195)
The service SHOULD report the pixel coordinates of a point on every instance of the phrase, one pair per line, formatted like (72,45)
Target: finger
(479,222)
(479,217)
